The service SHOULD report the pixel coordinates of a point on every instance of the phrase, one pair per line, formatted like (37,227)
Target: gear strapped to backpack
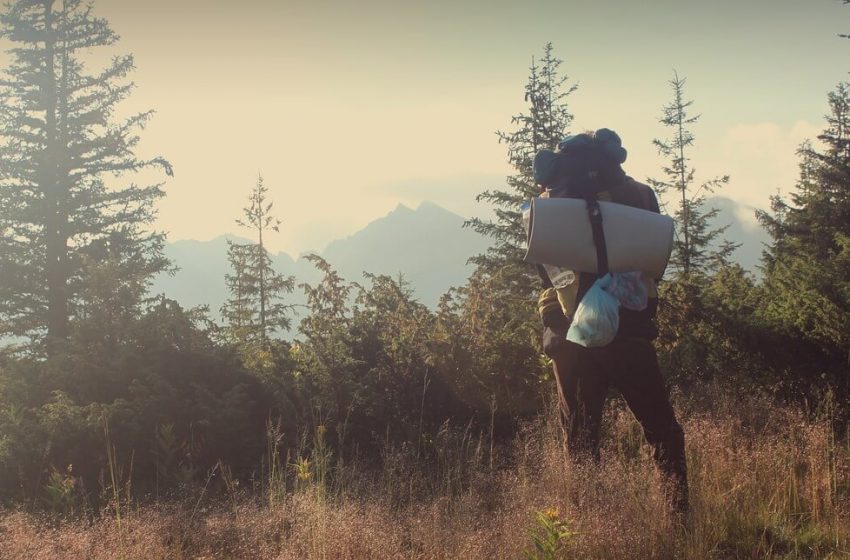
(587,167)
(584,165)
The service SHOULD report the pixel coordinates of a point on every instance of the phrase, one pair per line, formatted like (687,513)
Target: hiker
(588,166)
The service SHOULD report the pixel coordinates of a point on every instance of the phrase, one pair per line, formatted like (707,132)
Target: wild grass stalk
(276,479)
(115,476)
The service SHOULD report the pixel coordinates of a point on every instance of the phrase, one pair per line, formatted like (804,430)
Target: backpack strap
(544,277)
(594,213)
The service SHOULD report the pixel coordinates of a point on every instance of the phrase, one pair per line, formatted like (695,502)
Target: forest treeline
(102,382)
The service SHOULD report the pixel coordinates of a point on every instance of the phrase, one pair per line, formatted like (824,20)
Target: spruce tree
(64,202)
(690,323)
(256,309)
(543,126)
(698,247)
(237,311)
(807,266)
(491,324)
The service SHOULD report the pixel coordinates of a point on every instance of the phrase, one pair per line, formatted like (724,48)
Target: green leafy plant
(550,534)
(60,490)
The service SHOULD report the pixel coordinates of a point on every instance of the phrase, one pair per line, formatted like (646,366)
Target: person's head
(590,160)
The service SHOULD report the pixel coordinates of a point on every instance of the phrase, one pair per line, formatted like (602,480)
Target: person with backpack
(589,166)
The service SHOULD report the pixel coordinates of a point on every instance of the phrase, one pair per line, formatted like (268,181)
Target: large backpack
(584,165)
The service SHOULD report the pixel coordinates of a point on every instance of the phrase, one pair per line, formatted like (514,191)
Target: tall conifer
(807,266)
(256,309)
(542,126)
(687,317)
(64,204)
(698,246)
(495,312)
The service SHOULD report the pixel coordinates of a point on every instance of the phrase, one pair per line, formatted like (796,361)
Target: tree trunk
(262,261)
(55,236)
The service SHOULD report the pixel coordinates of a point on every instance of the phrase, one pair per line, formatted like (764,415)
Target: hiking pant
(584,376)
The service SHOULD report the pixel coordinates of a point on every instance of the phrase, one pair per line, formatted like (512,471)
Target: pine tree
(697,247)
(490,324)
(60,143)
(255,309)
(807,267)
(238,312)
(690,322)
(542,127)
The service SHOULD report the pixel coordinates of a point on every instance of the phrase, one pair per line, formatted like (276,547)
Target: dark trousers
(584,376)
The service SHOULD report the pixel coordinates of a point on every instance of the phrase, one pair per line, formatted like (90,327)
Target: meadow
(766,481)
(356,421)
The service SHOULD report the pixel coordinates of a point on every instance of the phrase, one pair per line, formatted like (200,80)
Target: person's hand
(554,341)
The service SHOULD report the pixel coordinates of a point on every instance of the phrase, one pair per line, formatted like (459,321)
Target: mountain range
(427,246)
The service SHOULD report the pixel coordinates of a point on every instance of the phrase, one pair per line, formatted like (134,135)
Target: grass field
(766,482)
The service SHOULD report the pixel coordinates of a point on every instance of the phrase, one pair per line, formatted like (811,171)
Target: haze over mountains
(428,246)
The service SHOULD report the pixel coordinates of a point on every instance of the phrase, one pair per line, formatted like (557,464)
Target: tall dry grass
(766,482)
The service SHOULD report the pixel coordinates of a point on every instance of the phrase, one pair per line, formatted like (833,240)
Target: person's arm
(555,323)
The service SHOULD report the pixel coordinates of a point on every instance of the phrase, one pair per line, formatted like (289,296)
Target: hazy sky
(350,108)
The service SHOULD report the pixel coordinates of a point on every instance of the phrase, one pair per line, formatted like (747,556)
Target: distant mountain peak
(401,208)
(427,207)
(217,240)
(427,245)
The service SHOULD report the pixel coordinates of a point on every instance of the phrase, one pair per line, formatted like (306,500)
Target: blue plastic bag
(597,317)
(630,289)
